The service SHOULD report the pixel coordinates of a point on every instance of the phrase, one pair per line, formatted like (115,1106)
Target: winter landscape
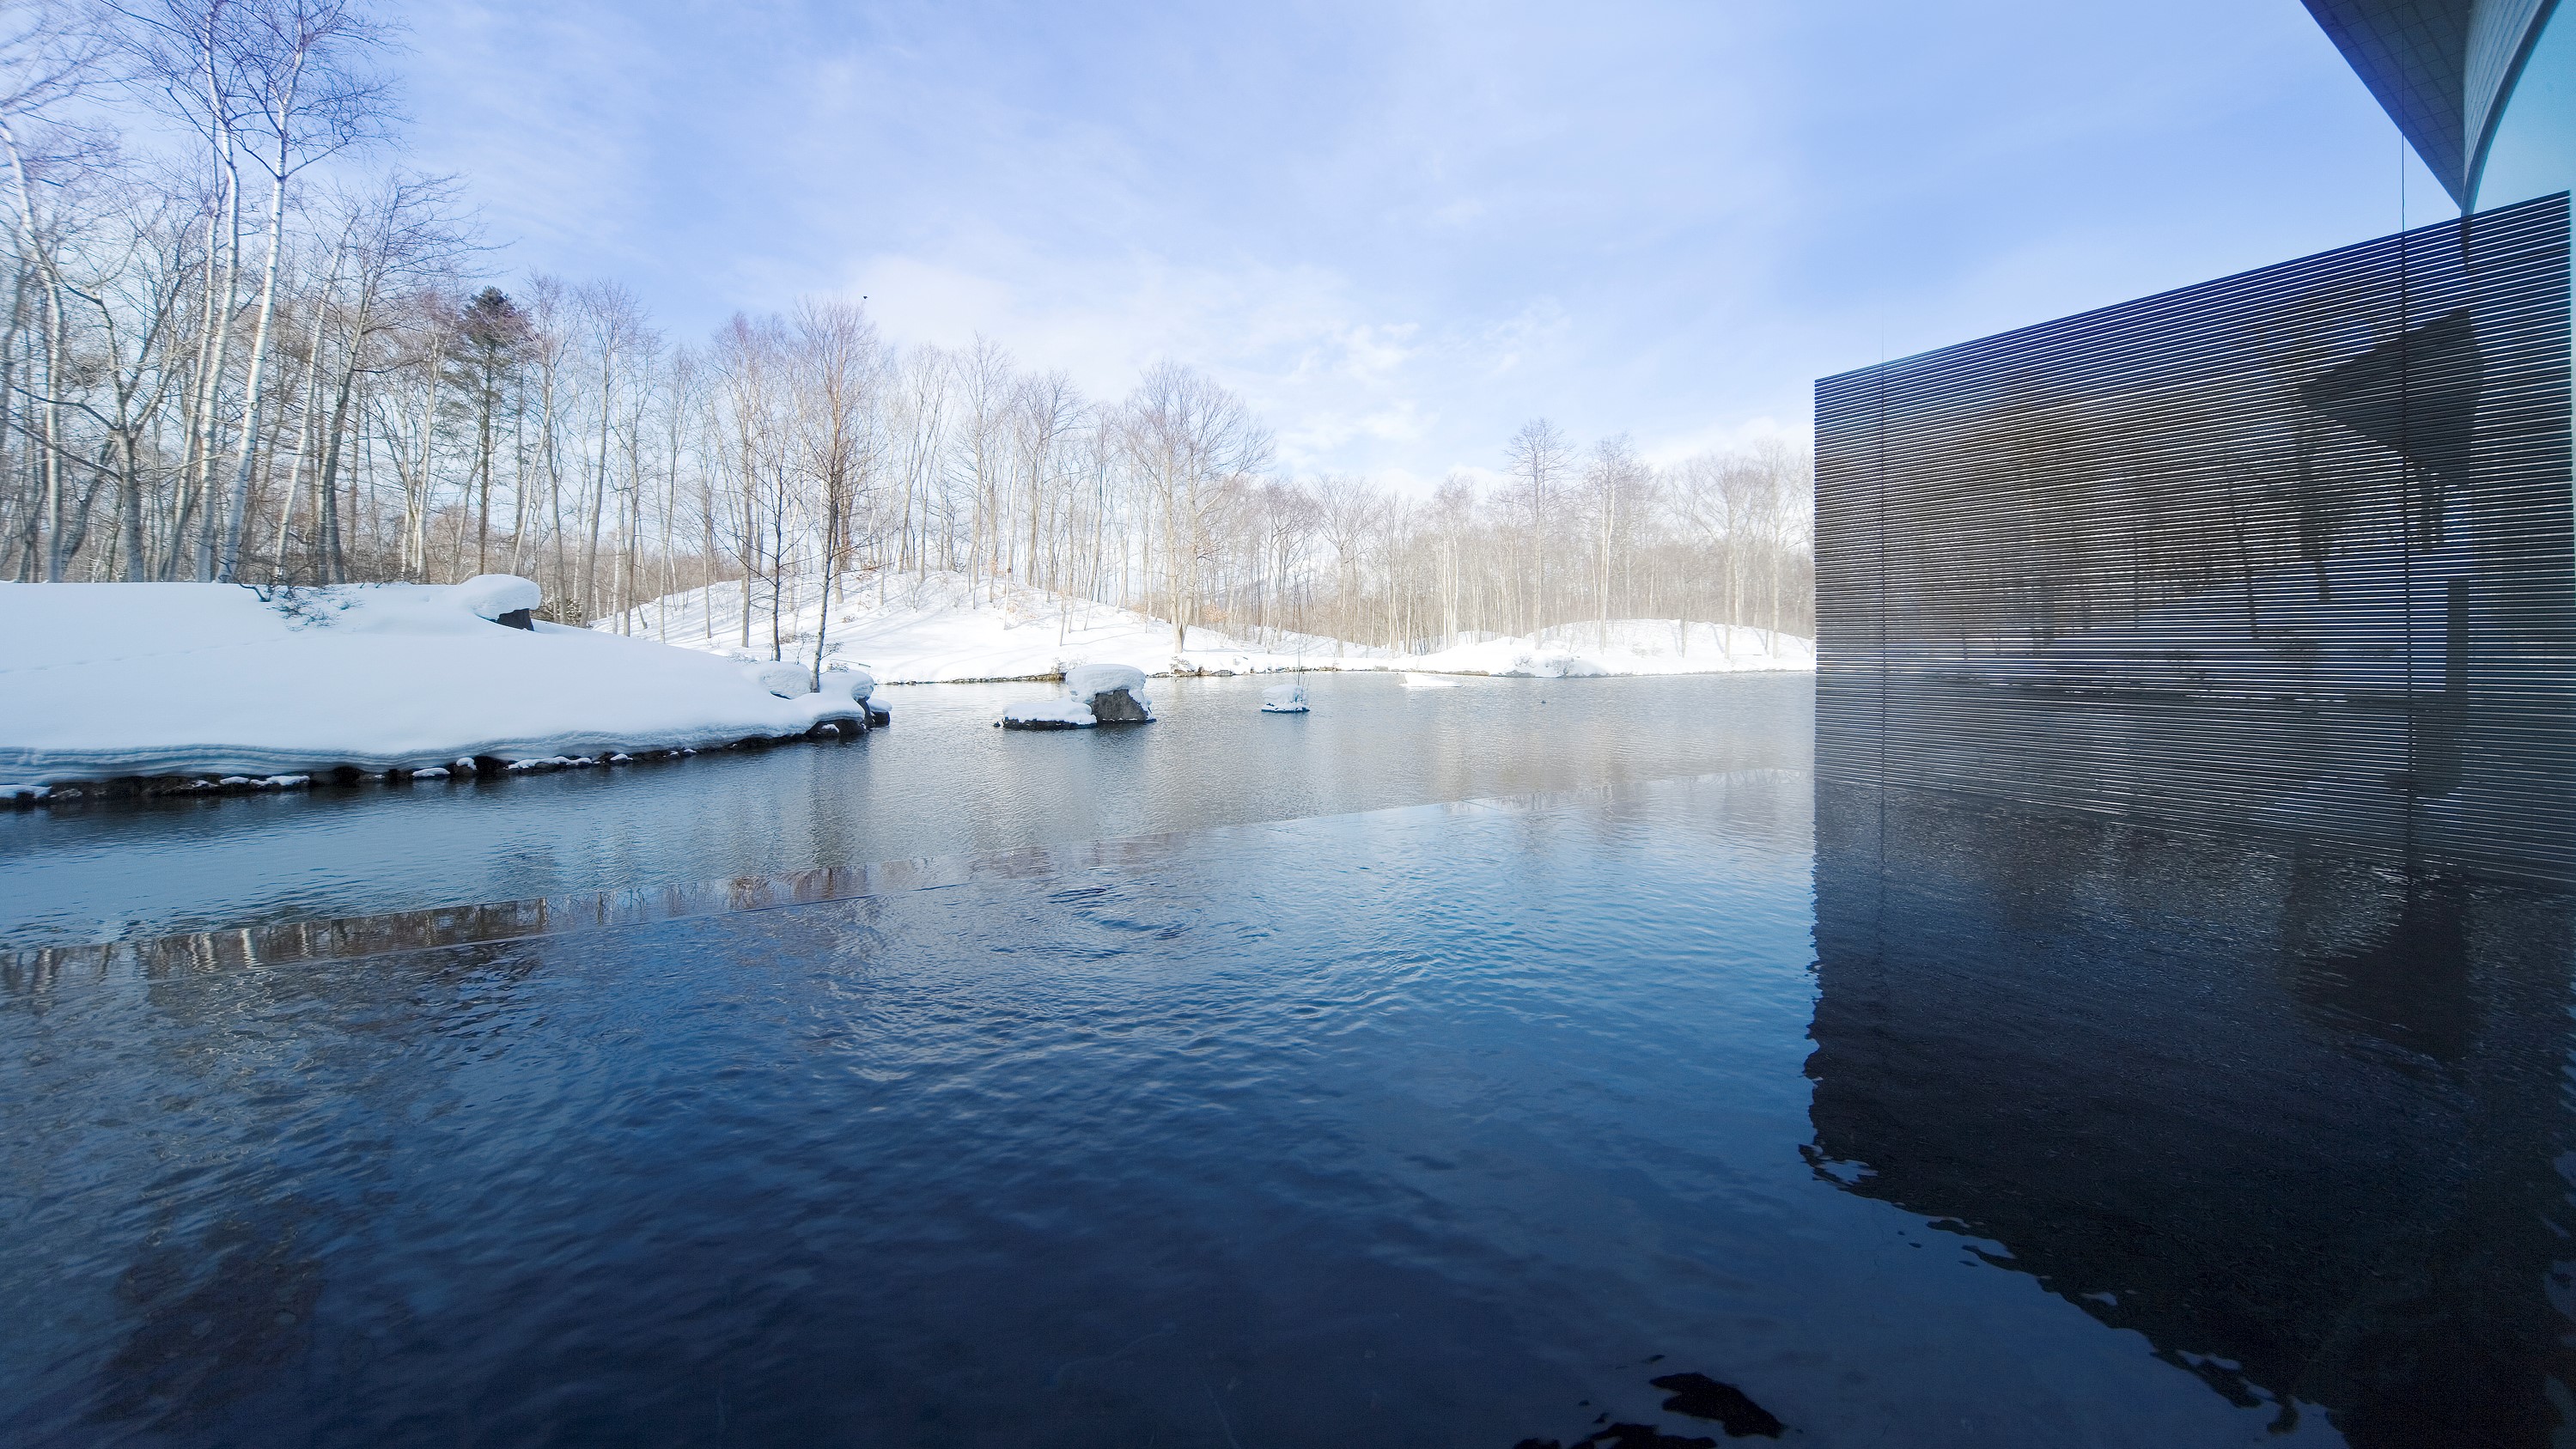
(286,686)
(1093,724)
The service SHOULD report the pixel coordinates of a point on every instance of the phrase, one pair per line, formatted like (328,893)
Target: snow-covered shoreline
(947,629)
(185,687)
(181,688)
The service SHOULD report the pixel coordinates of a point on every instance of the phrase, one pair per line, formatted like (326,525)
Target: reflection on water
(2295,1120)
(941,782)
(1640,1115)
(1455,1125)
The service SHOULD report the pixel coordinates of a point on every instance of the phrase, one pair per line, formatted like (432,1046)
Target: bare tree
(1617,489)
(45,63)
(296,90)
(1539,457)
(200,362)
(1188,436)
(837,377)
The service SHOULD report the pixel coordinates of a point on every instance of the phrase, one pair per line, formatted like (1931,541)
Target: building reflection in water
(2295,1118)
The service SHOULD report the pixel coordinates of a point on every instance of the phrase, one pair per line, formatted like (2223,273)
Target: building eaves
(2442,69)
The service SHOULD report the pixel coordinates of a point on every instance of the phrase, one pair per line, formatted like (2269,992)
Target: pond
(1529,1118)
(942,782)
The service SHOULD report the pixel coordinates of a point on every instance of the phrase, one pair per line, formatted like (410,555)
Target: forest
(243,343)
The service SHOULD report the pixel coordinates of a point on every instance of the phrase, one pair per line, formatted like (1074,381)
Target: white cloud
(1401,230)
(1274,329)
(1537,327)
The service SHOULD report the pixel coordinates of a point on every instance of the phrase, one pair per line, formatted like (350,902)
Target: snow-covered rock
(1090,681)
(1284,699)
(492,595)
(1085,680)
(1094,694)
(1114,692)
(1117,706)
(112,681)
(857,684)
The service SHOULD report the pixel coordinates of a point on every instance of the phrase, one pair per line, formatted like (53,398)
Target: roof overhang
(2443,70)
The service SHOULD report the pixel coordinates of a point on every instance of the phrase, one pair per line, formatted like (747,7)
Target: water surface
(941,782)
(1914,1120)
(1448,1125)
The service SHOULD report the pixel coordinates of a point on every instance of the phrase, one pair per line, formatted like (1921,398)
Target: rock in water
(1115,693)
(1117,706)
(1094,694)
(1284,699)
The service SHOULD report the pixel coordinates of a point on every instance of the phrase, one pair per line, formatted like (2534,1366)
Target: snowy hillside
(946,629)
(107,681)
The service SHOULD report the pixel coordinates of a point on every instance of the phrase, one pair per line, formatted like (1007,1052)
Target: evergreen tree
(494,331)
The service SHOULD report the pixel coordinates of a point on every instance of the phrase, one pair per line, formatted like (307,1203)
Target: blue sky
(1402,229)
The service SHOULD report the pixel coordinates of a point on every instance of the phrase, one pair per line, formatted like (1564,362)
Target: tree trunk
(335,567)
(238,509)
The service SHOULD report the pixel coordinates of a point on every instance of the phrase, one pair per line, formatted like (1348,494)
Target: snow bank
(786,681)
(947,628)
(107,681)
(1284,699)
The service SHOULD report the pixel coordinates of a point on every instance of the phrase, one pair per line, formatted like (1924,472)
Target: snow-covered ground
(1623,646)
(947,629)
(111,681)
